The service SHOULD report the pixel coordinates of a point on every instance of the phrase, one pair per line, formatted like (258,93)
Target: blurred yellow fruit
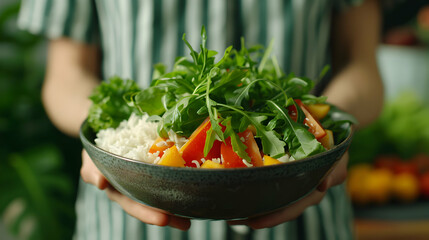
(359,170)
(355,183)
(379,185)
(405,187)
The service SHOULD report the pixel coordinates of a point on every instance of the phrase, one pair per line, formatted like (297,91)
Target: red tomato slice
(292,112)
(424,185)
(232,160)
(194,147)
(313,125)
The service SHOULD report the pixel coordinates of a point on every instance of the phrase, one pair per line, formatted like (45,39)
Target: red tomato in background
(387,162)
(422,162)
(406,167)
(424,185)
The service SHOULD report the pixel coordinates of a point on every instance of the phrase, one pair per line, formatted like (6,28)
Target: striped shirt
(136,34)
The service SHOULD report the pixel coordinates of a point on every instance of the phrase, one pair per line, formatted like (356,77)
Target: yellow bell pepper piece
(172,158)
(270,161)
(318,111)
(211,164)
(328,140)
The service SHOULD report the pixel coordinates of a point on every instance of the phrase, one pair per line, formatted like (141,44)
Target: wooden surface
(391,230)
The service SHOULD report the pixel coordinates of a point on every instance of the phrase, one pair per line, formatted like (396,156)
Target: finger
(179,223)
(147,214)
(337,176)
(90,173)
(283,215)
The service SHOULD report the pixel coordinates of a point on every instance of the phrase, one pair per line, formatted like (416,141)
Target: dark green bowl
(213,193)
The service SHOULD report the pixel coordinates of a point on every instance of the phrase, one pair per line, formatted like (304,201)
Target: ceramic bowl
(213,193)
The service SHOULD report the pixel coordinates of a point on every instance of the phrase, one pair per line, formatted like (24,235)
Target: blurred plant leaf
(37,173)
(38,164)
(401,129)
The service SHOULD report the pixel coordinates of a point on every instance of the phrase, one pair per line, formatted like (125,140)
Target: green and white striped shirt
(136,34)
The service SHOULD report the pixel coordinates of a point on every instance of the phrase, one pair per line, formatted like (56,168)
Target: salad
(239,111)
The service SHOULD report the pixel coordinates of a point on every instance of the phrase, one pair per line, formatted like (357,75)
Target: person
(94,40)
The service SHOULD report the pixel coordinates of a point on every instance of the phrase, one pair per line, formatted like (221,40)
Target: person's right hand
(90,174)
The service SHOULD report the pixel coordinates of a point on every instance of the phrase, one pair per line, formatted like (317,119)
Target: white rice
(131,139)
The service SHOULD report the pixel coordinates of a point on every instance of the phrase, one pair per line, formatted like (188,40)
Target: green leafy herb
(109,107)
(300,141)
(237,145)
(245,87)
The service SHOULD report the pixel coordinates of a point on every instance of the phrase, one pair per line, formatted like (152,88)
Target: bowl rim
(85,140)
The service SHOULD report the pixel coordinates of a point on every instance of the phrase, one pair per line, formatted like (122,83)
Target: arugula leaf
(271,144)
(237,145)
(311,99)
(301,142)
(338,122)
(109,107)
(298,86)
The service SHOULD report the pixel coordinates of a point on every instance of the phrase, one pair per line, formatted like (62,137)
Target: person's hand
(335,177)
(90,174)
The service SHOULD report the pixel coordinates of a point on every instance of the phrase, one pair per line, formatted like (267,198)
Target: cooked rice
(131,139)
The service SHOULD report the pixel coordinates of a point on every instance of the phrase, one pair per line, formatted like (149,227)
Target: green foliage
(300,141)
(401,129)
(38,165)
(245,86)
(109,107)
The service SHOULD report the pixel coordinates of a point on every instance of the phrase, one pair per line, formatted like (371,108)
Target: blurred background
(389,161)
(39,166)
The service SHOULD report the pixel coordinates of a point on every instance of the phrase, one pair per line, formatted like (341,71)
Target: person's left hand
(337,176)
(150,215)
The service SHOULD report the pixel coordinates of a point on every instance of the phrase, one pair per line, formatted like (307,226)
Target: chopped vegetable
(270,161)
(211,164)
(172,158)
(313,125)
(160,145)
(232,160)
(194,147)
(328,140)
(318,110)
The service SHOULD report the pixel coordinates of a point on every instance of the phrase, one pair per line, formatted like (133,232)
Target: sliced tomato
(318,110)
(232,160)
(292,112)
(193,149)
(313,125)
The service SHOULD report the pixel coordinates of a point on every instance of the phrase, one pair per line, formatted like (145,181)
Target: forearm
(357,86)
(70,79)
(358,90)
